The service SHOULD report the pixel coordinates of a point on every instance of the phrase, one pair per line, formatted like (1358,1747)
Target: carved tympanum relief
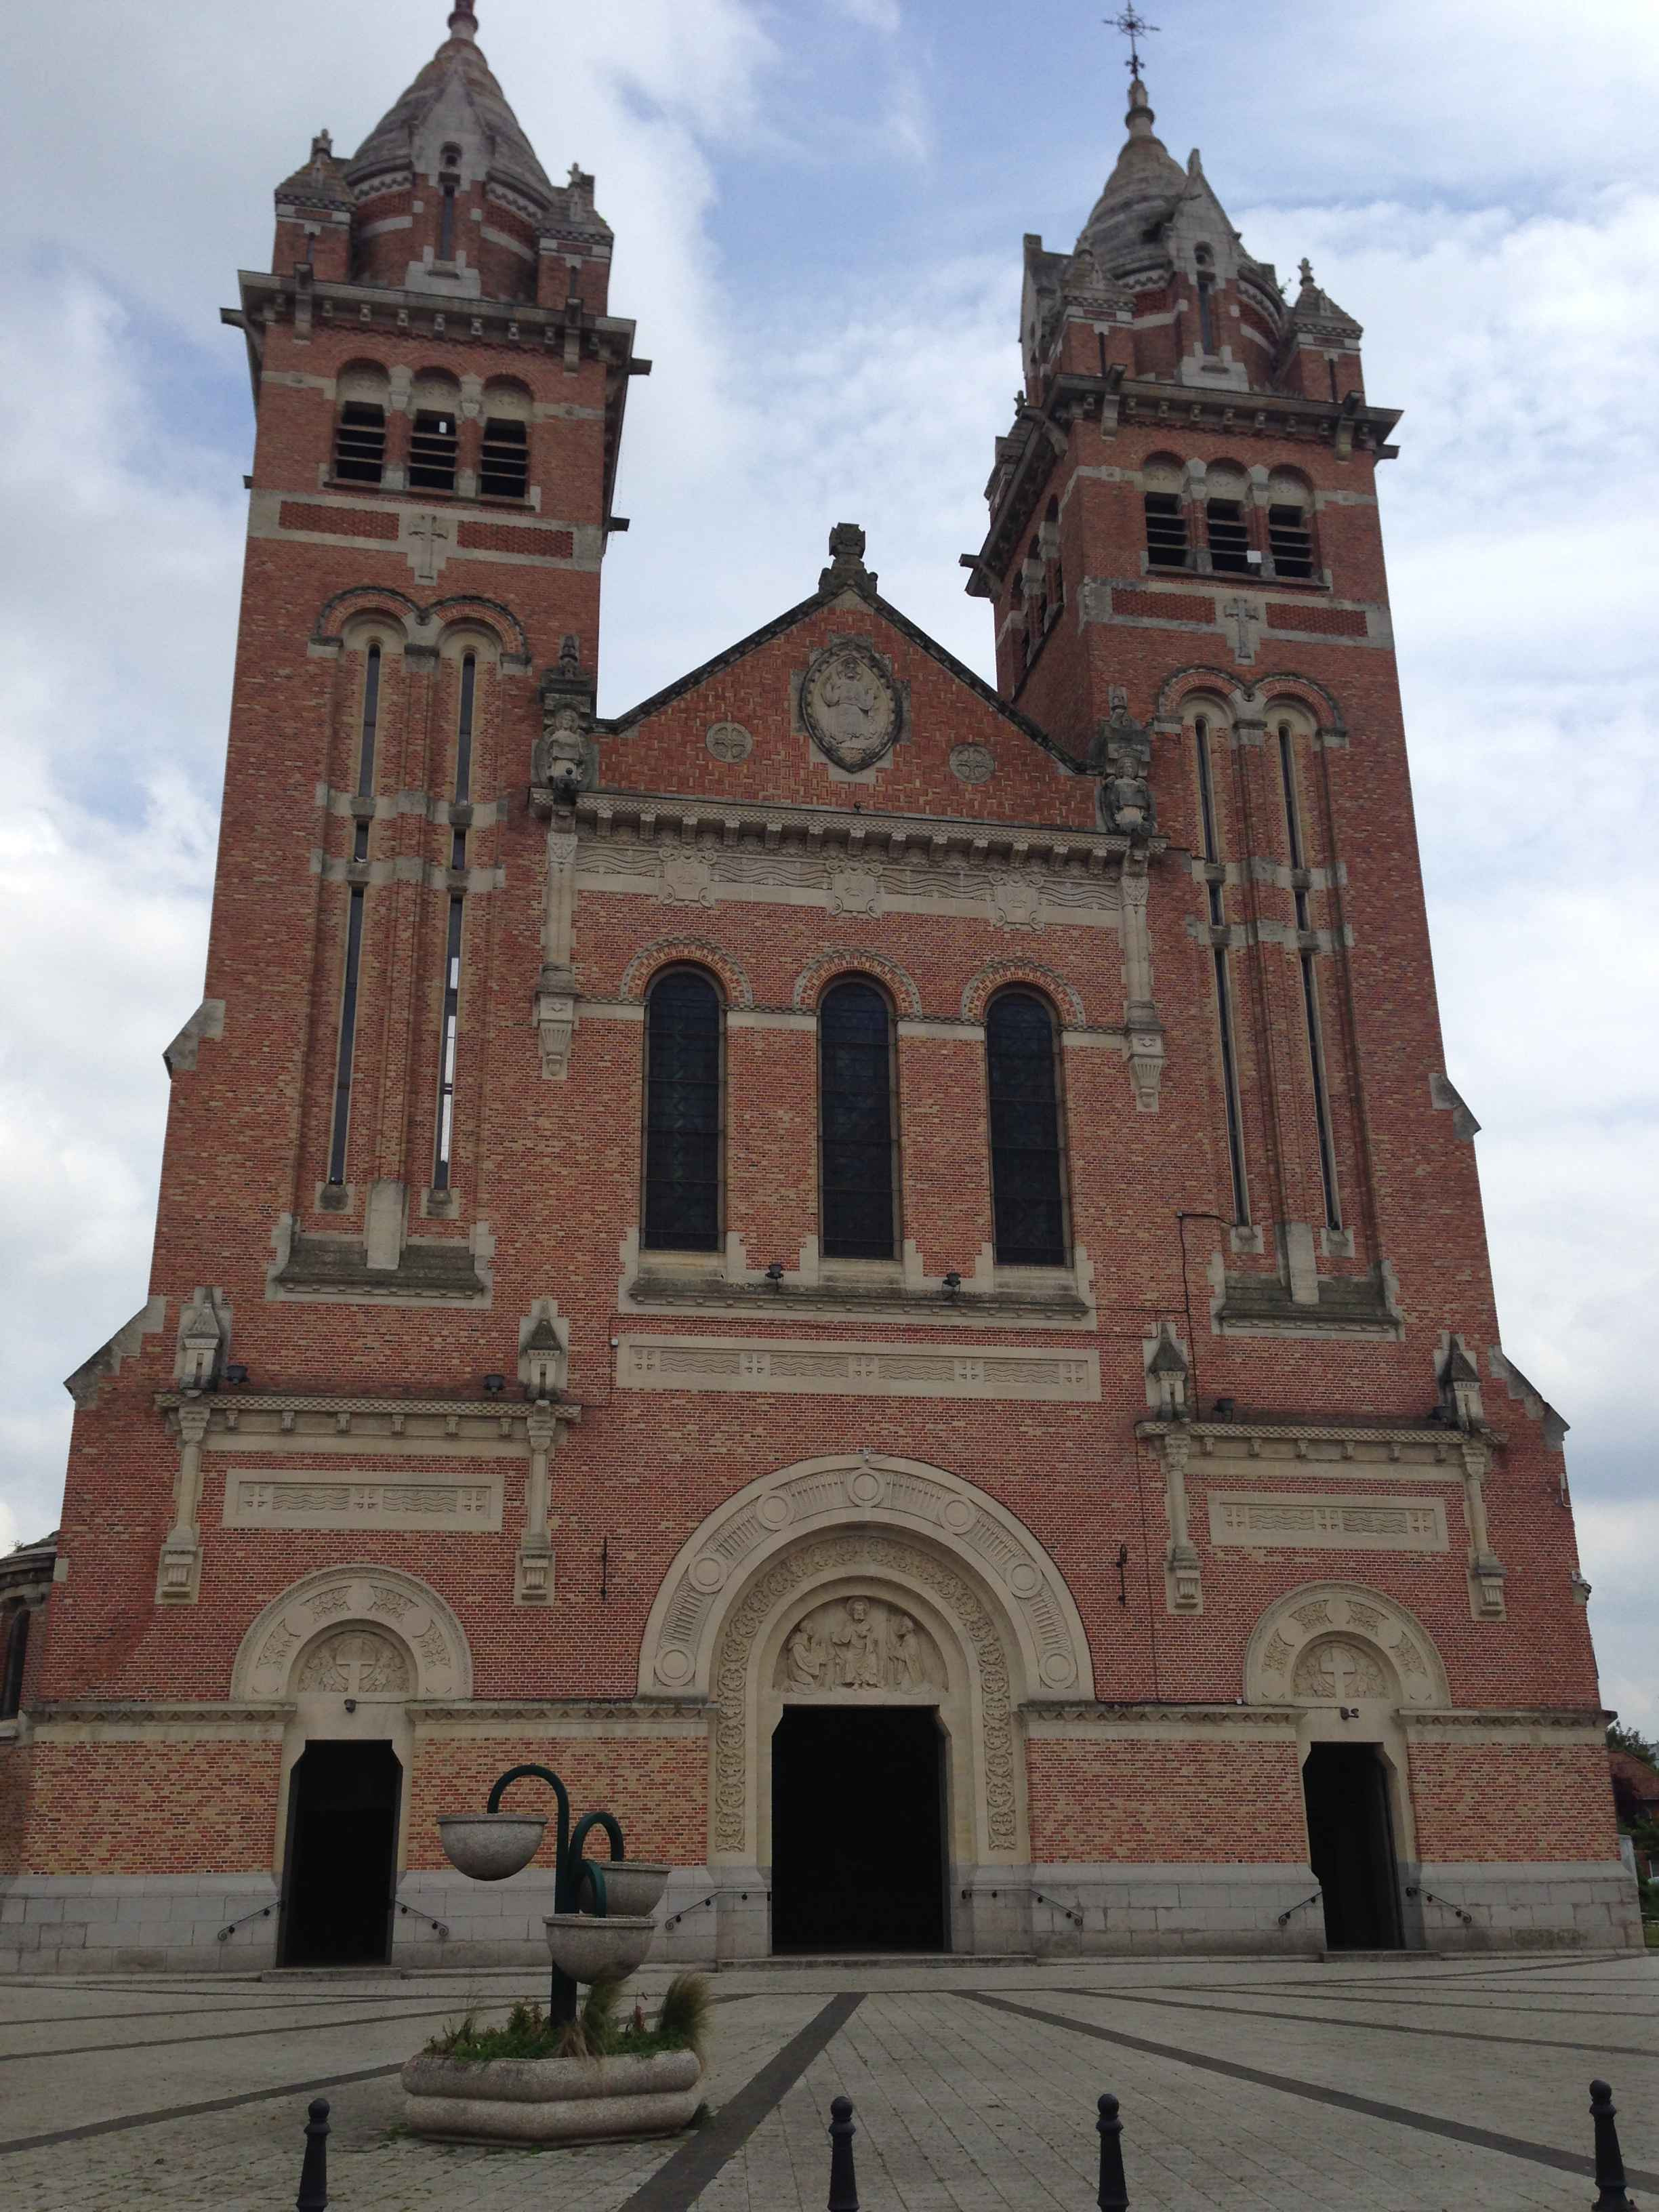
(860,1644)
(850,706)
(358,1661)
(1334,1643)
(1338,1674)
(420,1651)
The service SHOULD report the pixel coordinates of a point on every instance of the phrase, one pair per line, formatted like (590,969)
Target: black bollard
(314,2174)
(1609,2160)
(843,2182)
(1114,2190)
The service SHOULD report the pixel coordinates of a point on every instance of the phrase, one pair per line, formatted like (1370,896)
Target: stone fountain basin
(549,2101)
(588,1948)
(632,1885)
(490,1846)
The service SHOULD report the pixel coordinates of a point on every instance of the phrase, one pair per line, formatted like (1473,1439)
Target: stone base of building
(103,1923)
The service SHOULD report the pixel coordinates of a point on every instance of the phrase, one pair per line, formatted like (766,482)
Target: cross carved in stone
(427,532)
(1246,624)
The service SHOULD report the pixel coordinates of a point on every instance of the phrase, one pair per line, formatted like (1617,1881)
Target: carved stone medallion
(859,1644)
(850,706)
(729,741)
(355,1661)
(973,763)
(686,878)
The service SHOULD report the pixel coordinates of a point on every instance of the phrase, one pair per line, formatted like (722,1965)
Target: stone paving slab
(961,2106)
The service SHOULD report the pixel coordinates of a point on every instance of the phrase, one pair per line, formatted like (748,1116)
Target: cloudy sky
(818,210)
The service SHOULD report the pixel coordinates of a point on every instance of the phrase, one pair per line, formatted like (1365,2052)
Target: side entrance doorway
(341,1868)
(858,1829)
(1351,1846)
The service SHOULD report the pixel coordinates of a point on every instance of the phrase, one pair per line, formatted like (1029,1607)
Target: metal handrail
(1287,1915)
(675,1919)
(260,1912)
(1070,1911)
(1416,1889)
(414,1912)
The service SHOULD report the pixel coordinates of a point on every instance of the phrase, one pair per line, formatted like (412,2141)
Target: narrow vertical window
(1166,530)
(504,464)
(1229,536)
(1026,1182)
(434,444)
(16,1658)
(360,442)
(1205,304)
(449,1025)
(341,1121)
(1222,990)
(682,1117)
(447,222)
(857,1123)
(1310,979)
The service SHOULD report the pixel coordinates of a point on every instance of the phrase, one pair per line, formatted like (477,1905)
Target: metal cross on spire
(1134,28)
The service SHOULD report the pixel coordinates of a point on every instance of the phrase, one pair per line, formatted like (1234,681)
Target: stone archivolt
(1338,1643)
(885,1557)
(883,1497)
(386,1634)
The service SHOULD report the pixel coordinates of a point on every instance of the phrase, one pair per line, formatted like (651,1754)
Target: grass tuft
(599,2030)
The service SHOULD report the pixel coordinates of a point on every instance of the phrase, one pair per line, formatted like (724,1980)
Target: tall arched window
(16,1648)
(1027,1184)
(856,1122)
(682,1117)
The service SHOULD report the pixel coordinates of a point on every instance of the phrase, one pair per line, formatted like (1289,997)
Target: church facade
(883,1271)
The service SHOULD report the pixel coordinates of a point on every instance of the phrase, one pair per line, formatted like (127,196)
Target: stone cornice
(1447,1444)
(284,1413)
(666,816)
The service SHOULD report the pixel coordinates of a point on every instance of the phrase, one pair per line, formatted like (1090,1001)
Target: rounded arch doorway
(866,1630)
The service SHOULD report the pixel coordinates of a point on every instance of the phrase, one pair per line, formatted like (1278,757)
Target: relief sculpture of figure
(905,1666)
(858,1649)
(806,1660)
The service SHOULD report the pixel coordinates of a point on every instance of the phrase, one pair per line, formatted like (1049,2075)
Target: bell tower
(1185,564)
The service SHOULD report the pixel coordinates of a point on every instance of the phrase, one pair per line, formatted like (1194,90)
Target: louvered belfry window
(683,1118)
(1026,1182)
(856,1122)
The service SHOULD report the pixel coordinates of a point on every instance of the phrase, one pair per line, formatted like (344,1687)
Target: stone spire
(455,99)
(1317,313)
(1140,194)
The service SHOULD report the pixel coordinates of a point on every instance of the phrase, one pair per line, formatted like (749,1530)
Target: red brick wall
(657,1788)
(1499,1802)
(137,1807)
(1144,1804)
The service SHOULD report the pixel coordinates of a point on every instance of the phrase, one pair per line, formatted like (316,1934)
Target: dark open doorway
(341,1856)
(1351,1845)
(858,1829)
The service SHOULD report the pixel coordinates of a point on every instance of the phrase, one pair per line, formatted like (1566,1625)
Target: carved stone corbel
(556,1021)
(1182,1588)
(178,1572)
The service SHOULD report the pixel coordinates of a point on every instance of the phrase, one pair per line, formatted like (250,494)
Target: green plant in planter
(599,2030)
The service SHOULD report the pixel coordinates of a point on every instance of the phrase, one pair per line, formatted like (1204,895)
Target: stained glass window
(1026,1166)
(682,1114)
(855,1113)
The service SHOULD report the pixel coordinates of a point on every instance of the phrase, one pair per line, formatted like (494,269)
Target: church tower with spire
(845,1235)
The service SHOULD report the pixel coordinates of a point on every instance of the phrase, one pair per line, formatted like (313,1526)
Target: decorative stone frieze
(788,1367)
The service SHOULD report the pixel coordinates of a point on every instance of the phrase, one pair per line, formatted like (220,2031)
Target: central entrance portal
(1351,1846)
(858,1829)
(341,1856)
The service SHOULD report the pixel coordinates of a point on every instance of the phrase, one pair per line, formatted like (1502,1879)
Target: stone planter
(549,2101)
(633,1885)
(490,1846)
(587,1949)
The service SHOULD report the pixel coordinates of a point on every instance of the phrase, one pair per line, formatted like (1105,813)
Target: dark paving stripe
(1396,2114)
(191,2111)
(1594,2007)
(1368,2026)
(237,2034)
(683,2177)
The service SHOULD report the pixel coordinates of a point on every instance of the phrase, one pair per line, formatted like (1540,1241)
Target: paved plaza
(1409,2083)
